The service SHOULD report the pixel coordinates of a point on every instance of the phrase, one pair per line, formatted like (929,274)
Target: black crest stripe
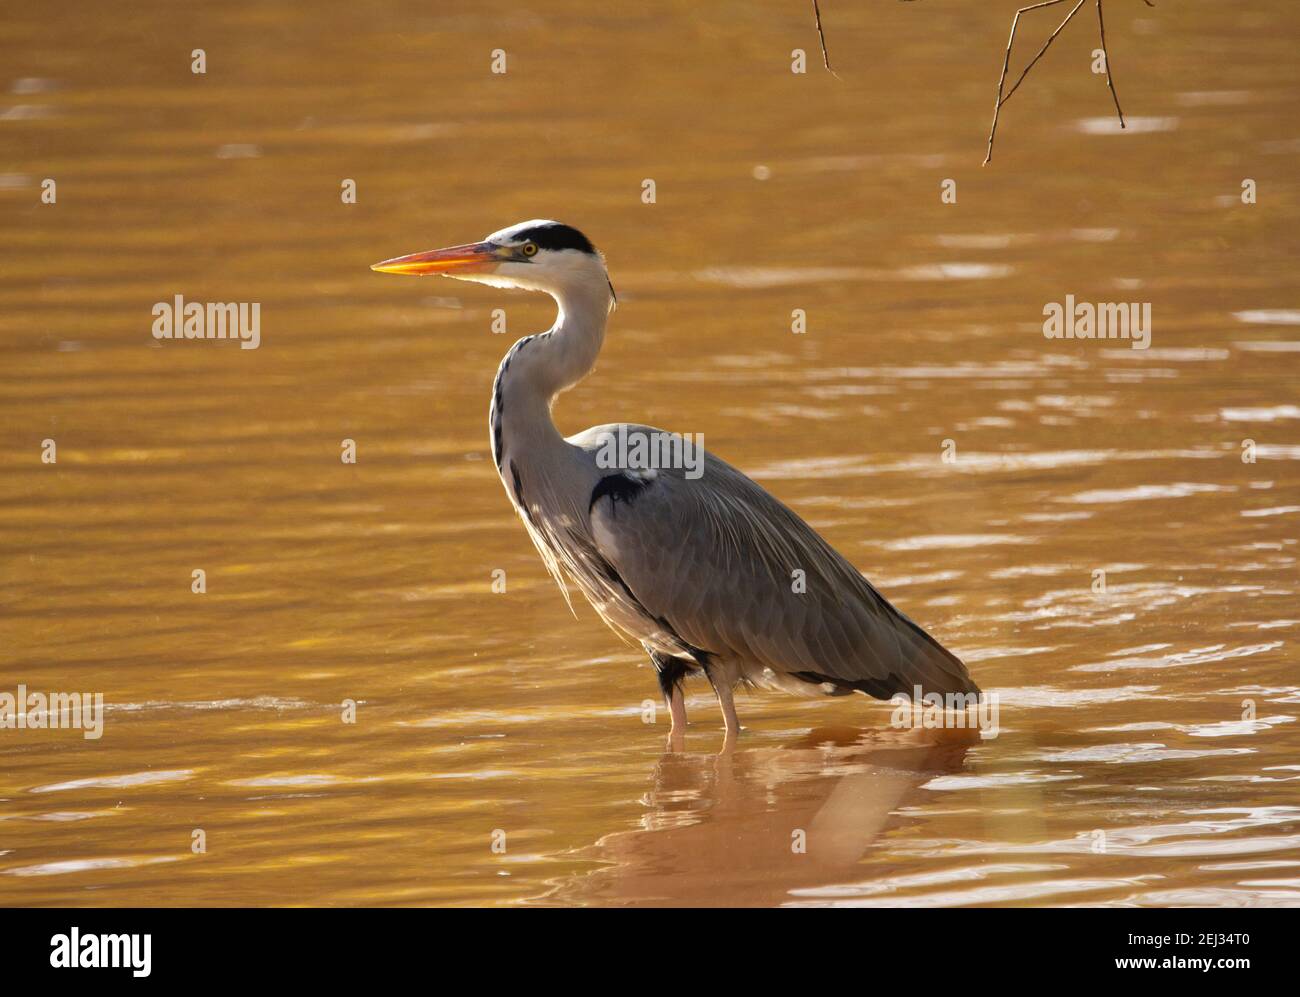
(556,236)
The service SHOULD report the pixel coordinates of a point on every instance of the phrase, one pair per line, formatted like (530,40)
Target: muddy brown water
(1147,751)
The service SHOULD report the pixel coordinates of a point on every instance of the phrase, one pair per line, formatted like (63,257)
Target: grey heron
(697,569)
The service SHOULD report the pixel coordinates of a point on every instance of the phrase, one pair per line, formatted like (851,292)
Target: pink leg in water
(677,709)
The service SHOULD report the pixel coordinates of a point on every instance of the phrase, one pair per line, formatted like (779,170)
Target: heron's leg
(725,700)
(671,672)
(677,708)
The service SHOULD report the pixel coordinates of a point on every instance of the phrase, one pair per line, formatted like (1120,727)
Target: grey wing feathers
(715,558)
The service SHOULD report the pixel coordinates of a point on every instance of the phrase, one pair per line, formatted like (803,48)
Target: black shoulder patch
(619,488)
(557,236)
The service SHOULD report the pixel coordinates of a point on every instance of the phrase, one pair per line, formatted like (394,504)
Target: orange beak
(469,258)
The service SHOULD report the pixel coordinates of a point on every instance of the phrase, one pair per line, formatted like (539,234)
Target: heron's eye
(529,249)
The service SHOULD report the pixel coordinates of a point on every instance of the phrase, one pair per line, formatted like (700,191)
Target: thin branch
(826,59)
(1044,49)
(1001,99)
(1004,94)
(1101,26)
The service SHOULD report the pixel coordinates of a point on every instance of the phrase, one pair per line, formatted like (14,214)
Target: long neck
(538,368)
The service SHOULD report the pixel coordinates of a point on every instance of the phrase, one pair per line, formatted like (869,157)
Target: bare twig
(1043,50)
(1004,95)
(826,59)
(1101,26)
(1007,59)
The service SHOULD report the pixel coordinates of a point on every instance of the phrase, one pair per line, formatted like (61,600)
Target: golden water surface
(1147,749)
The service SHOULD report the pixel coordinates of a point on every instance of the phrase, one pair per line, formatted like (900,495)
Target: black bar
(332,947)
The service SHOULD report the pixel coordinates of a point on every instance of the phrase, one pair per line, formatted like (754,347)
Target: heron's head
(539,255)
